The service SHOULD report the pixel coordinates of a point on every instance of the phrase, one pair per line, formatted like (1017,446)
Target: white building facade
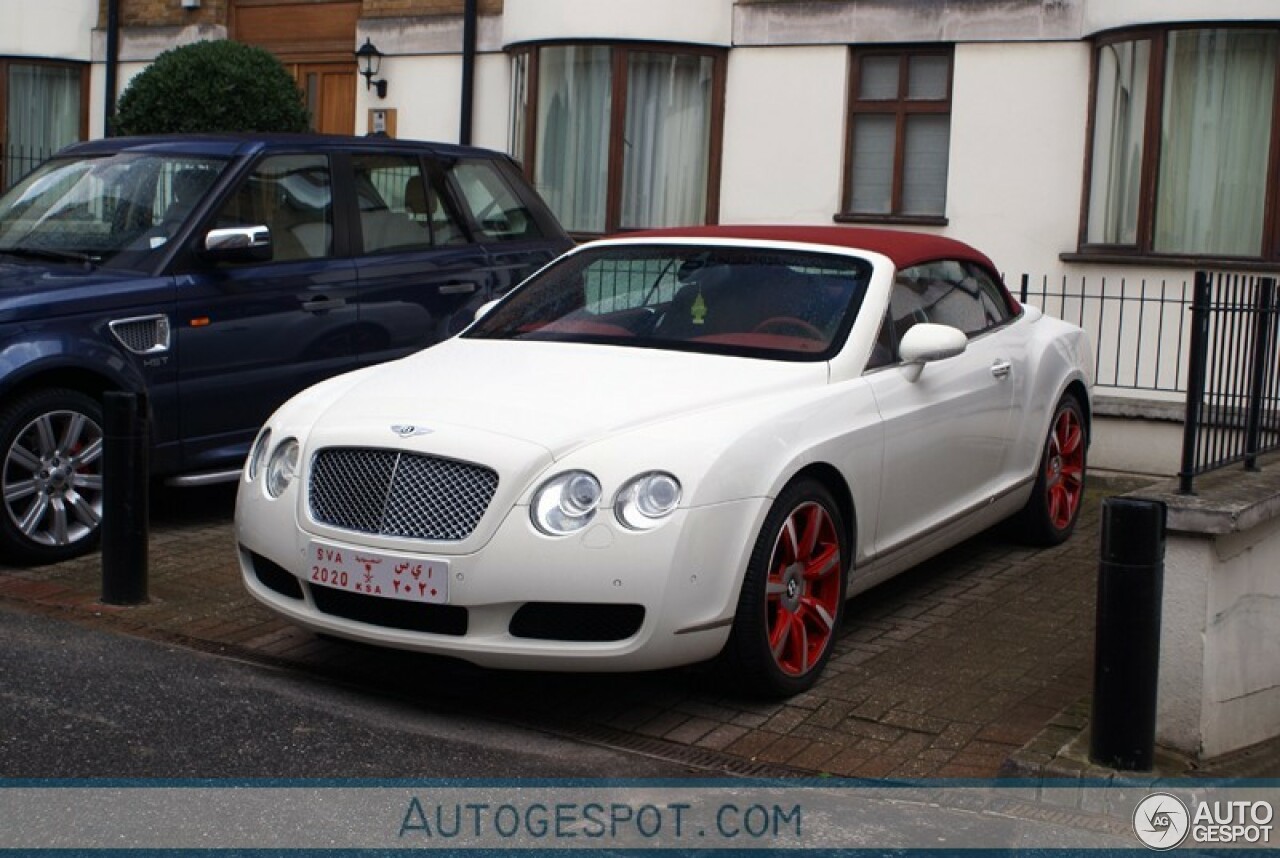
(1104,148)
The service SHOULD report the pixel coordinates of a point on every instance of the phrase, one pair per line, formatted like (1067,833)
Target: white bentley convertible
(670,447)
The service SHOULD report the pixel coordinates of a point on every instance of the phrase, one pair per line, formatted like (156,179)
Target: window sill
(892,220)
(1149,260)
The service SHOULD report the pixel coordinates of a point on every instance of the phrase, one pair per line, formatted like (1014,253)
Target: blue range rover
(221,275)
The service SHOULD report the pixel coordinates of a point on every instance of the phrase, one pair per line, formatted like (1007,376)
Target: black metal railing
(1233,382)
(1139,328)
(20,160)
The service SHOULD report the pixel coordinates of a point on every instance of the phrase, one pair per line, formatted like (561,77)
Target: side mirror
(925,342)
(238,244)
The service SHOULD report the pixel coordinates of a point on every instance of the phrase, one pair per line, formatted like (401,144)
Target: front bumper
(603,600)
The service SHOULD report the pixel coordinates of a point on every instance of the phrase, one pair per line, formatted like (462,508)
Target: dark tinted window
(293,197)
(400,209)
(948,292)
(498,212)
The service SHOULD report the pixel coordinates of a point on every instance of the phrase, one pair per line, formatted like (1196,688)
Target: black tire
(793,592)
(1051,512)
(51,470)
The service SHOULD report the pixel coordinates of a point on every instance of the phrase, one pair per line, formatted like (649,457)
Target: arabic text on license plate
(374,574)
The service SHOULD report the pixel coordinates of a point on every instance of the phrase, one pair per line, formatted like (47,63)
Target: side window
(994,305)
(291,195)
(496,208)
(400,209)
(948,292)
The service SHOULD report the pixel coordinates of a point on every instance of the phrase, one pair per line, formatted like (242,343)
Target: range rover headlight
(258,455)
(283,467)
(648,499)
(565,503)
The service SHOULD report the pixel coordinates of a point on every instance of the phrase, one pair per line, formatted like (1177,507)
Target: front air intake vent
(143,335)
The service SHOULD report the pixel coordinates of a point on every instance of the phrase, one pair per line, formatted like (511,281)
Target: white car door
(947,434)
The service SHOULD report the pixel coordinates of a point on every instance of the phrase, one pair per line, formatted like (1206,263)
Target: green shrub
(211,86)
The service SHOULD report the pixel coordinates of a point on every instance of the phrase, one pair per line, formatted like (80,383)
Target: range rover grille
(393,493)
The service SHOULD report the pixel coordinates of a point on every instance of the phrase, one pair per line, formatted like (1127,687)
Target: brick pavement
(945,671)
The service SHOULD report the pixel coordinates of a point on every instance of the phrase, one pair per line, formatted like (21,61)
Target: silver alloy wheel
(53,478)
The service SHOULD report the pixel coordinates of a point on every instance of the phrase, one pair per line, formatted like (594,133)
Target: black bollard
(125,479)
(1127,642)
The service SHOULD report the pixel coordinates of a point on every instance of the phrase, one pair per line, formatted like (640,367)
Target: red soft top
(903,248)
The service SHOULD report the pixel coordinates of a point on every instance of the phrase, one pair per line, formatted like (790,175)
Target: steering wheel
(788,325)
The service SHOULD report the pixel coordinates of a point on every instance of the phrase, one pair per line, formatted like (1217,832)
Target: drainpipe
(113,58)
(469,14)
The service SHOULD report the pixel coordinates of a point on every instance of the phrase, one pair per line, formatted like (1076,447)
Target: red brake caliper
(803,589)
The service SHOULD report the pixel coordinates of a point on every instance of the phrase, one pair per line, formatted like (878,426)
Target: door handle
(321,304)
(458,288)
(1001,369)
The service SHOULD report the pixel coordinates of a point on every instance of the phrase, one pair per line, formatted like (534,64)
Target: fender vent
(143,335)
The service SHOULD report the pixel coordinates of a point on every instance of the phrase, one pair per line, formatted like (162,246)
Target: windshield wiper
(84,259)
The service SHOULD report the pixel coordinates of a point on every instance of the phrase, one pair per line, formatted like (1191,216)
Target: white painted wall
(1018,118)
(1219,684)
(708,22)
(491,117)
(424,90)
(783,135)
(1017,144)
(426,93)
(53,29)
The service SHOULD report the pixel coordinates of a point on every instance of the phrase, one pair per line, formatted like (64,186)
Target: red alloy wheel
(1064,468)
(803,589)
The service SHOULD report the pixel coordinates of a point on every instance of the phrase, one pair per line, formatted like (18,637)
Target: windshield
(755,302)
(113,209)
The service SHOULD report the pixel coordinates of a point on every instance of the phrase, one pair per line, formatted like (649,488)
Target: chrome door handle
(319,305)
(1001,369)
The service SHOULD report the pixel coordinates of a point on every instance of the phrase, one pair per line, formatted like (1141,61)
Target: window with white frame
(899,134)
(620,136)
(1184,128)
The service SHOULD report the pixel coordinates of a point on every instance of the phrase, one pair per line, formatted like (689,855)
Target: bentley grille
(392,493)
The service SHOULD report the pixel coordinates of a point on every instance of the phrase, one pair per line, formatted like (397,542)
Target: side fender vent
(143,335)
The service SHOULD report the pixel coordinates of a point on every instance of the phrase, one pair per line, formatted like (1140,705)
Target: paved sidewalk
(946,671)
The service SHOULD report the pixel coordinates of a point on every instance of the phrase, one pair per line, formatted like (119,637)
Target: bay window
(1184,124)
(620,136)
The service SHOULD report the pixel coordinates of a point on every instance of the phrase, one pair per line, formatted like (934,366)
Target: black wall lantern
(369,58)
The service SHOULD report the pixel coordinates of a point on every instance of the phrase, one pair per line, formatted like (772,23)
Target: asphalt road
(77,702)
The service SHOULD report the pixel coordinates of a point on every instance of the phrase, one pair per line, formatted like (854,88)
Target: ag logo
(408,430)
(1161,821)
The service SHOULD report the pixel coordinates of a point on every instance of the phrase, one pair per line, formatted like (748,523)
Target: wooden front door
(316,40)
(330,92)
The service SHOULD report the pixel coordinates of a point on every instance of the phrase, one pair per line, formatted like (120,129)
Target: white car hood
(558,396)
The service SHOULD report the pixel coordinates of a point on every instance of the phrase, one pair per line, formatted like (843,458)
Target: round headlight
(645,501)
(565,503)
(258,455)
(283,467)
